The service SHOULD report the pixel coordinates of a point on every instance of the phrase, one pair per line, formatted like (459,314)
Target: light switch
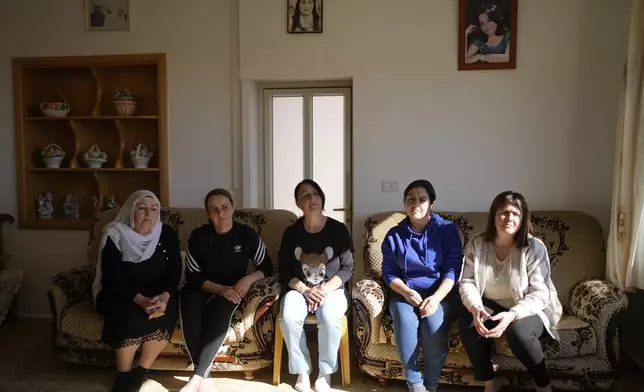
(390,186)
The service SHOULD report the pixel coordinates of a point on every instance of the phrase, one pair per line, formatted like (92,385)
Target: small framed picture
(107,15)
(487,34)
(304,16)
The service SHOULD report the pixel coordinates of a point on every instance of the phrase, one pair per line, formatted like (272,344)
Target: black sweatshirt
(161,272)
(314,258)
(223,258)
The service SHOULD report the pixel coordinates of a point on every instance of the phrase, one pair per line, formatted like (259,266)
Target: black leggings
(523,338)
(205,319)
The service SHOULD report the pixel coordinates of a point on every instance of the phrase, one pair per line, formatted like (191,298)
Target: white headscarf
(134,247)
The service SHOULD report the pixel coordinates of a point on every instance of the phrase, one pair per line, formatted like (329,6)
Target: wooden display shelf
(87,83)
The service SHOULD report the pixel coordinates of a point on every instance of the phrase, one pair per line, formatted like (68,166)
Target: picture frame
(304,16)
(487,34)
(108,15)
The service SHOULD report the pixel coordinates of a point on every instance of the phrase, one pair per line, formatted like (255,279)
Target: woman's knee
(519,334)
(435,322)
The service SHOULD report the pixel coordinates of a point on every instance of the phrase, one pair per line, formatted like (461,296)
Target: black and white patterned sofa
(584,359)
(249,342)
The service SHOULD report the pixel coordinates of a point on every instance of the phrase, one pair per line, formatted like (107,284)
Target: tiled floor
(28,363)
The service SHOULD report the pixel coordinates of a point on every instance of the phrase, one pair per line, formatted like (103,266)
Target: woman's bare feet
(495,384)
(206,386)
(193,385)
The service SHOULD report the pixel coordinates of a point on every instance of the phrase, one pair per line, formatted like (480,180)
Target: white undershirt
(497,279)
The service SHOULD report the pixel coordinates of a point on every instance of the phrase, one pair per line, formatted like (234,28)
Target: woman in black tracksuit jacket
(217,277)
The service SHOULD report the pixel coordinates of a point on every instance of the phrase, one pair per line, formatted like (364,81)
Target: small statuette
(111,202)
(140,156)
(52,155)
(71,207)
(94,157)
(45,205)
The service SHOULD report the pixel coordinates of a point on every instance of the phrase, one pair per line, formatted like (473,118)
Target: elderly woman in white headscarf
(137,277)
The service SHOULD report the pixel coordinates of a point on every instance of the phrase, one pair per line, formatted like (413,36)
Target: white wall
(196,35)
(545,129)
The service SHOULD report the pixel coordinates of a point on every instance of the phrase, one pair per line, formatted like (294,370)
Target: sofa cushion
(577,338)
(83,321)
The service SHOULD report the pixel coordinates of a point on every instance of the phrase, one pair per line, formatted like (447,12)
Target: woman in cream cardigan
(506,287)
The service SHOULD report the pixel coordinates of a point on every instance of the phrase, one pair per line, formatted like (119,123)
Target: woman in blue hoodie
(421,263)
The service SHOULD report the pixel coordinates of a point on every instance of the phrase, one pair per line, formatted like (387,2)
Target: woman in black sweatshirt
(316,262)
(217,281)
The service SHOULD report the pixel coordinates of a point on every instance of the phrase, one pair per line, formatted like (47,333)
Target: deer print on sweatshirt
(314,265)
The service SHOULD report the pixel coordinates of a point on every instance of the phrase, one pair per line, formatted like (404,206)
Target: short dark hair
(217,192)
(315,186)
(517,200)
(426,185)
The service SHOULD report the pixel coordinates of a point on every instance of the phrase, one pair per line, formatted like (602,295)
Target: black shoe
(122,382)
(139,375)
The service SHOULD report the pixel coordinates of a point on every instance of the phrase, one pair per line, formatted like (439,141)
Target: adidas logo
(237,248)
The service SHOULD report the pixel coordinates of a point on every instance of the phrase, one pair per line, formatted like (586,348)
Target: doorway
(308,135)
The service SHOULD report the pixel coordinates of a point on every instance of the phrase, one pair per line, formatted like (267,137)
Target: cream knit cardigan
(532,289)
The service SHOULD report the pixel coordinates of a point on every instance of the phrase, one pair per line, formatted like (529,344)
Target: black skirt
(124,322)
(127,324)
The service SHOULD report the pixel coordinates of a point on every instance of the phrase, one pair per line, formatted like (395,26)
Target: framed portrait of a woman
(304,16)
(487,34)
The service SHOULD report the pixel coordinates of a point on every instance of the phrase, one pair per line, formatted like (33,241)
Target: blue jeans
(433,330)
(329,316)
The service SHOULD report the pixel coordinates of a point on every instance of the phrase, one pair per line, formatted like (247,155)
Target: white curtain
(625,259)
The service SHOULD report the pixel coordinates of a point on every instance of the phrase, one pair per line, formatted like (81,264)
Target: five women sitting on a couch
(504,285)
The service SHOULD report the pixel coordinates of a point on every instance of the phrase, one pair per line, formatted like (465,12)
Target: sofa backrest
(574,240)
(269,224)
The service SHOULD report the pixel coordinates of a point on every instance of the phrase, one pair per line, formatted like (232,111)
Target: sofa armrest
(369,296)
(597,302)
(260,297)
(258,301)
(70,287)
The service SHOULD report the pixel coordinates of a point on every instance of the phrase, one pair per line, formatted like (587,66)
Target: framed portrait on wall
(106,15)
(487,34)
(304,16)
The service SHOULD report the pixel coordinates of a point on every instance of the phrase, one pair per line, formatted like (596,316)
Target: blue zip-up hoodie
(422,260)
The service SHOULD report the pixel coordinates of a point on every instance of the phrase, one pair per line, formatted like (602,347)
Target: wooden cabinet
(87,84)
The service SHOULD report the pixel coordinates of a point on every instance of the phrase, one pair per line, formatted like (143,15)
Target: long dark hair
(495,15)
(517,200)
(295,19)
